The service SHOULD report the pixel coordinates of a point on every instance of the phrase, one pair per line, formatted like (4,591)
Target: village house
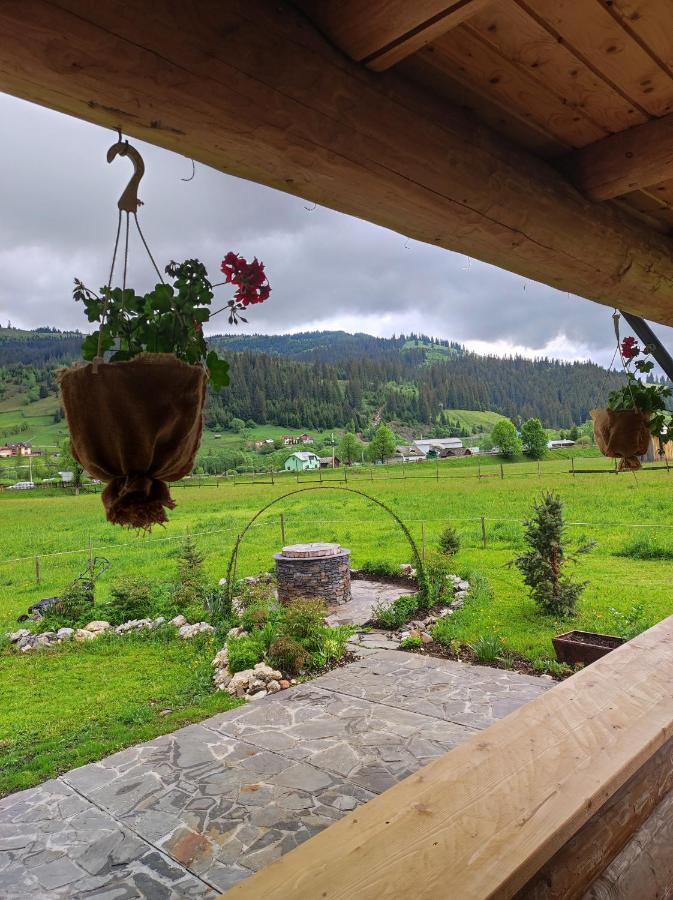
(301,461)
(329,462)
(406,453)
(263,443)
(19,449)
(431,447)
(305,439)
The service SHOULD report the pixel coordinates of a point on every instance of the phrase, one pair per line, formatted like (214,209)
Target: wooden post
(272,481)
(483,531)
(572,460)
(502,471)
(423,540)
(371,473)
(345,475)
(90,553)
(282,529)
(538,469)
(37,570)
(478,468)
(437,469)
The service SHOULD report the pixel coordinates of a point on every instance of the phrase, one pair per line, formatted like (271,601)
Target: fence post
(423,540)
(437,470)
(37,569)
(478,468)
(272,481)
(371,474)
(483,531)
(538,469)
(90,553)
(572,460)
(345,475)
(502,471)
(282,529)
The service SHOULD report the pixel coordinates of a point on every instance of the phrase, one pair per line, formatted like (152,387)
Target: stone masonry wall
(326,577)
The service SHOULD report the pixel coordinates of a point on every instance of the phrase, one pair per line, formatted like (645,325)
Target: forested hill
(334,379)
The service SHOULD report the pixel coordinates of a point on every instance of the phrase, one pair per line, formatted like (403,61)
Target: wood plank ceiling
(554,76)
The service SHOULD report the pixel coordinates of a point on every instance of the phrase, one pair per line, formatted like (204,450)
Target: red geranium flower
(630,348)
(249,277)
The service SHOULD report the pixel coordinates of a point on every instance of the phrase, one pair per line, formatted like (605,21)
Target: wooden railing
(536,806)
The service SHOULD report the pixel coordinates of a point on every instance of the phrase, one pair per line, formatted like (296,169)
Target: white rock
(190,631)
(65,634)
(236,632)
(27,648)
(98,626)
(546,677)
(463,585)
(276,675)
(160,620)
(83,635)
(273,687)
(222,582)
(256,684)
(239,682)
(17,635)
(221,658)
(178,621)
(257,695)
(222,677)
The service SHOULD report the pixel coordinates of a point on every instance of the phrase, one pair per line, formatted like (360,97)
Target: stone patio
(190,813)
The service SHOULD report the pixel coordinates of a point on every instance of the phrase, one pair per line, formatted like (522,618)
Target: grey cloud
(58,217)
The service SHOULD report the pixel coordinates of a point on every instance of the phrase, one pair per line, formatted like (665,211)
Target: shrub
(645,548)
(439,588)
(381,568)
(74,608)
(286,654)
(304,621)
(191,580)
(449,541)
(489,649)
(542,565)
(397,613)
(130,598)
(332,646)
(244,652)
(412,642)
(552,667)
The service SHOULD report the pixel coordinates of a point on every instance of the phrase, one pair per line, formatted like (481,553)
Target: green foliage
(505,438)
(638,393)
(349,449)
(382,445)
(288,655)
(244,652)
(395,614)
(489,649)
(168,319)
(449,541)
(439,588)
(304,620)
(130,598)
(191,587)
(70,464)
(332,646)
(380,568)
(534,439)
(630,623)
(73,609)
(542,565)
(645,547)
(413,642)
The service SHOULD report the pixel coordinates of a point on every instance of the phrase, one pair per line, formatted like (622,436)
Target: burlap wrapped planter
(136,425)
(622,434)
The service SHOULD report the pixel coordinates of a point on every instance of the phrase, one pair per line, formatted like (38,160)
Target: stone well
(314,570)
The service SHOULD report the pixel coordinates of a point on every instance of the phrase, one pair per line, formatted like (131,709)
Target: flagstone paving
(191,813)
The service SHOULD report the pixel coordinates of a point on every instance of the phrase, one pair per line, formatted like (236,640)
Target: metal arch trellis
(229,585)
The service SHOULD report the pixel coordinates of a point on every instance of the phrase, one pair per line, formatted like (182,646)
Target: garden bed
(464,653)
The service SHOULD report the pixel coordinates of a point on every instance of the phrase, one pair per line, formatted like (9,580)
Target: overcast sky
(58,216)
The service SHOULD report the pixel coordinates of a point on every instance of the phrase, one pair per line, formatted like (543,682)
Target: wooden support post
(483,531)
(572,460)
(502,472)
(437,470)
(37,570)
(282,529)
(538,469)
(423,540)
(90,554)
(478,468)
(345,475)
(371,473)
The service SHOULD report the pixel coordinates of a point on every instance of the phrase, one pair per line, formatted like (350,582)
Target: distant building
(555,445)
(19,449)
(329,462)
(305,439)
(406,453)
(301,461)
(432,447)
(289,440)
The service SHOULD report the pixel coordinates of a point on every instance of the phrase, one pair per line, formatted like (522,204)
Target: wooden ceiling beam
(624,162)
(252,89)
(380,33)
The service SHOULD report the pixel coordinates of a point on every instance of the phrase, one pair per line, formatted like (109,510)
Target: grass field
(82,703)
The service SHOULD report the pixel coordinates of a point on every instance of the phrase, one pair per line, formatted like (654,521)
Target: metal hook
(128,202)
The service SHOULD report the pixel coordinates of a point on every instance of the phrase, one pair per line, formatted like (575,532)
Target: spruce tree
(542,565)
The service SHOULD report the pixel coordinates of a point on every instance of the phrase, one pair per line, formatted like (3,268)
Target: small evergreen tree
(449,541)
(191,583)
(534,439)
(506,439)
(542,565)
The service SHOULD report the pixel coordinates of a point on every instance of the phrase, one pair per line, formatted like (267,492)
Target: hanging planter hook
(128,202)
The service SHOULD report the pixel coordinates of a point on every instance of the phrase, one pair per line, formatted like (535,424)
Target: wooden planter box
(583,646)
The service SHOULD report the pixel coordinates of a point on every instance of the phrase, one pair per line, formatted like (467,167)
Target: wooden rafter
(251,88)
(380,33)
(624,162)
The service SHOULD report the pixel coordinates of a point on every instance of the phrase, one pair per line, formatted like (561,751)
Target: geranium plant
(639,394)
(170,318)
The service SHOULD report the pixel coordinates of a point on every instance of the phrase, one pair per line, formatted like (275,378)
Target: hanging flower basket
(135,425)
(622,434)
(135,410)
(635,413)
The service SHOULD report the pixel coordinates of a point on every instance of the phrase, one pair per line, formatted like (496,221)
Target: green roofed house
(301,461)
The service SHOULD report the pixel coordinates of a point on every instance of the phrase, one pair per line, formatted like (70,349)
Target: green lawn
(63,707)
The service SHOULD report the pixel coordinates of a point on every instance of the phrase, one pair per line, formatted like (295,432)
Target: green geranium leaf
(90,345)
(218,370)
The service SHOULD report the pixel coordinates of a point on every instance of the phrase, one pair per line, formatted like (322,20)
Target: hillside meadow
(64,707)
